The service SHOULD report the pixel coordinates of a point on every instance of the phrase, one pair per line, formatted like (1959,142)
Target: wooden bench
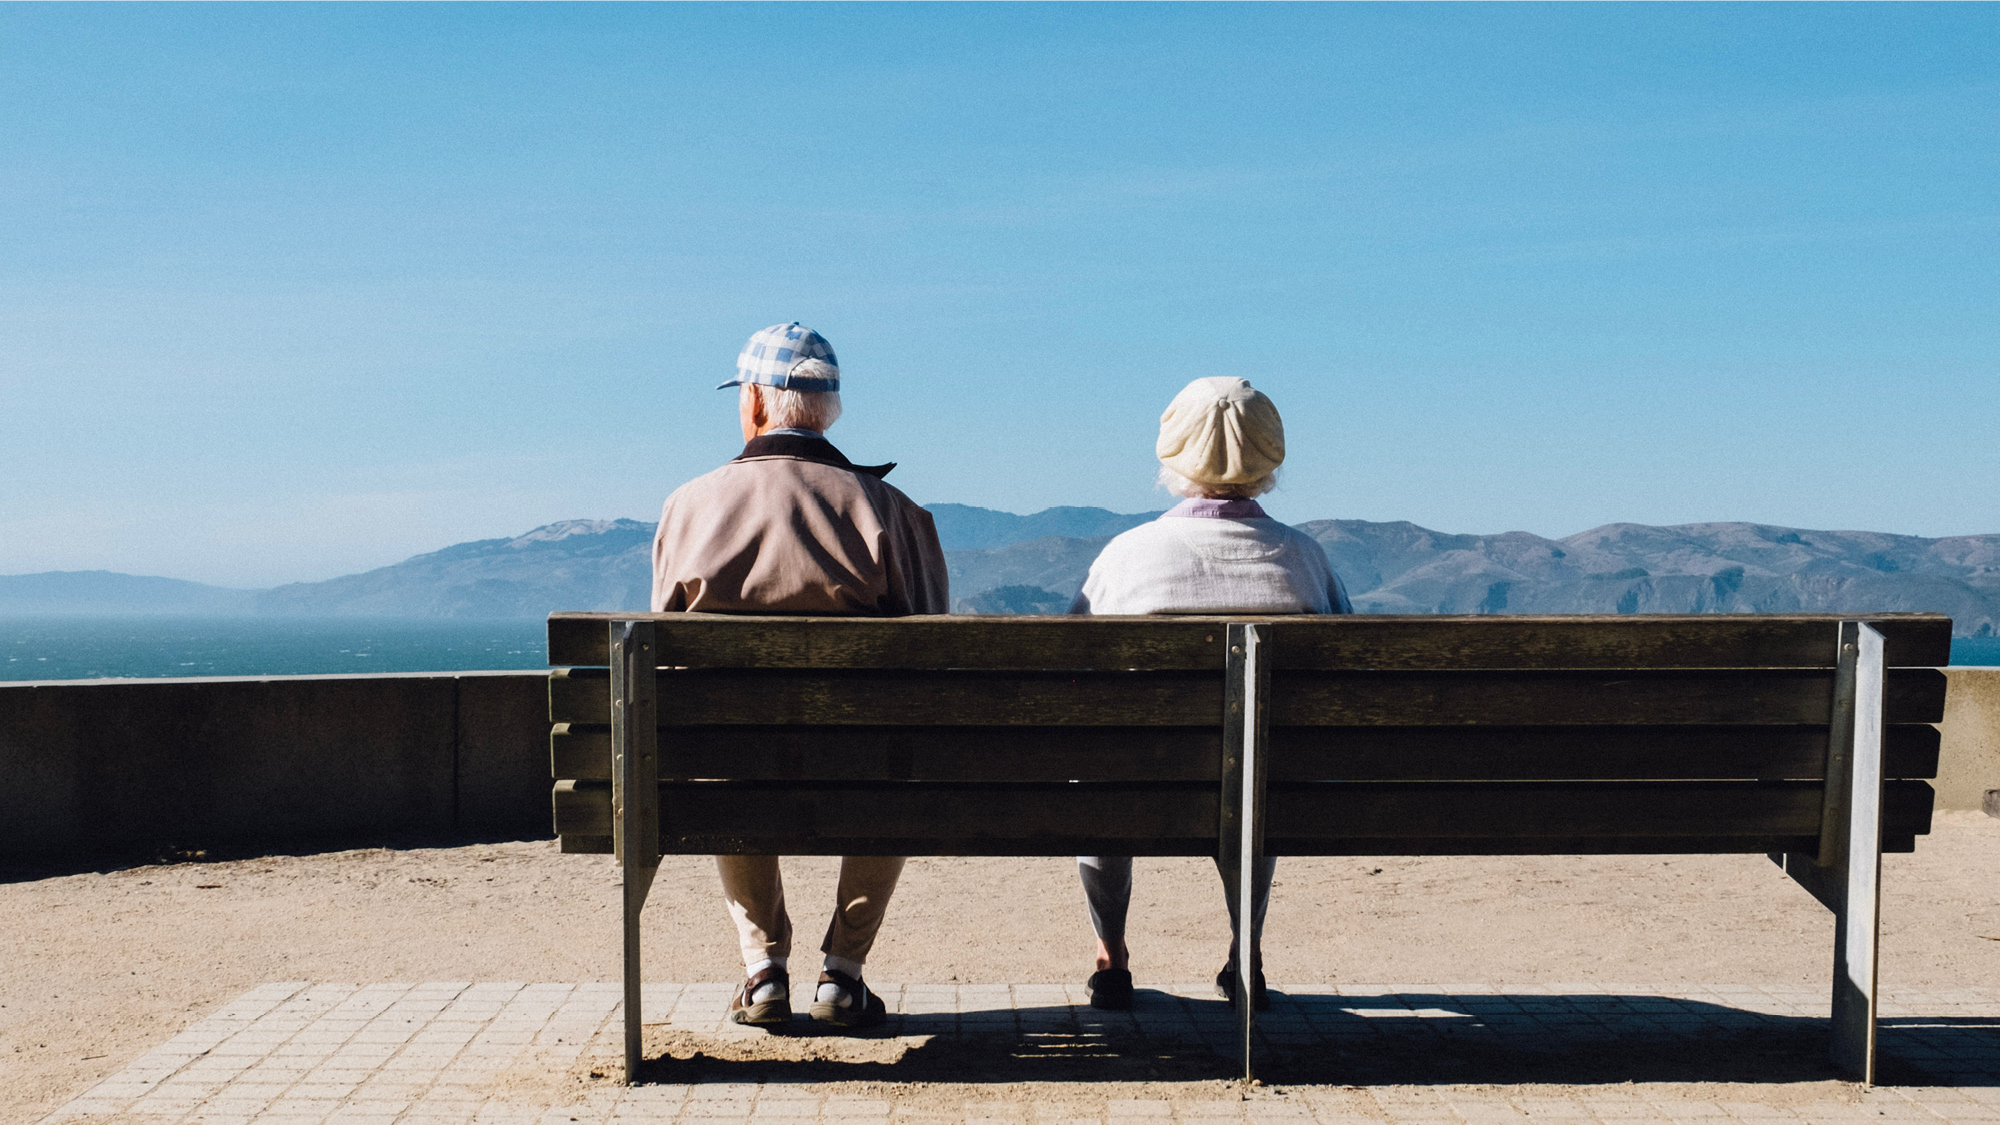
(1803,737)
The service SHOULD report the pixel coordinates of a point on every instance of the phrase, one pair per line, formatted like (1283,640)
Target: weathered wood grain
(887,753)
(582,808)
(1192,643)
(1748,697)
(910,698)
(1560,845)
(894,753)
(789,815)
(1394,810)
(1557,753)
(701,640)
(1052,846)
(1385,811)
(705,698)
(1499,642)
(1382,818)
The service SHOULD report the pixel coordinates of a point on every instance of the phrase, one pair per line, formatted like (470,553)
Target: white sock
(831,993)
(769,988)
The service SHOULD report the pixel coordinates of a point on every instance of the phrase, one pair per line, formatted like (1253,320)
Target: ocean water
(82,648)
(1976,651)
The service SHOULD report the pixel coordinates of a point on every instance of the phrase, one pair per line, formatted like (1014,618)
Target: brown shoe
(862,1008)
(776,1009)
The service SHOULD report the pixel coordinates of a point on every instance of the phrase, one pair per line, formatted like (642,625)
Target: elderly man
(791,526)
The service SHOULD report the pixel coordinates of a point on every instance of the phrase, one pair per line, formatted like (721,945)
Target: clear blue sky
(292,291)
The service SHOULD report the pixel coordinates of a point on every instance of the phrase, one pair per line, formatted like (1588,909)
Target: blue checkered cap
(790,357)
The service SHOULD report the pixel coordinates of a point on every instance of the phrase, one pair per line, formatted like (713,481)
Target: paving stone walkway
(521,1054)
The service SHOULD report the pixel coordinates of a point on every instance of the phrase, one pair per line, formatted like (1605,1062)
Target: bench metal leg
(1242,830)
(1846,875)
(635,799)
(1857,927)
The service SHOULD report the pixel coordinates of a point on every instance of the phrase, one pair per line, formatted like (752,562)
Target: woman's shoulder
(1299,544)
(1145,538)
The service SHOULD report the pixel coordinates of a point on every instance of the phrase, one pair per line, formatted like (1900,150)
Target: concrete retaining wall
(293,761)
(101,767)
(1969,759)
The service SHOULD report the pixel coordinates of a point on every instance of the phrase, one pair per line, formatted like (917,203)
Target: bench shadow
(127,857)
(1313,1039)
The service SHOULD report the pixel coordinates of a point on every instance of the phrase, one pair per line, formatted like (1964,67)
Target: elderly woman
(1221,442)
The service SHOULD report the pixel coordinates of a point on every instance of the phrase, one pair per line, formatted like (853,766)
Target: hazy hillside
(1691,568)
(606,565)
(576,564)
(104,591)
(962,527)
(1054,565)
(1005,563)
(1619,568)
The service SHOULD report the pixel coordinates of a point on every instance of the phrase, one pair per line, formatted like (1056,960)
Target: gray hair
(805,410)
(1181,486)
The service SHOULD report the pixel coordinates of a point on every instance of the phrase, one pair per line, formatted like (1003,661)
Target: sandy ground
(102,965)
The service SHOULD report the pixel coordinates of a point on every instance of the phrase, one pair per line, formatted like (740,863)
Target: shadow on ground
(28,869)
(1406,1039)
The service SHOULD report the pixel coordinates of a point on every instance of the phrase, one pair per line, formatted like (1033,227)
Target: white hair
(805,410)
(1181,486)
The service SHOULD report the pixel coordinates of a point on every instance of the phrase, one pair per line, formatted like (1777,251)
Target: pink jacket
(792,527)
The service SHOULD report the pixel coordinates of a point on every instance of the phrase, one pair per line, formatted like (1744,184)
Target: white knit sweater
(1205,564)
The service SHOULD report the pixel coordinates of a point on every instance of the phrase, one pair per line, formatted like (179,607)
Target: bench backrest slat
(1411,643)
(969,698)
(1381,818)
(1402,753)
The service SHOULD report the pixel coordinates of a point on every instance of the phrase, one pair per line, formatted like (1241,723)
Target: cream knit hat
(1221,430)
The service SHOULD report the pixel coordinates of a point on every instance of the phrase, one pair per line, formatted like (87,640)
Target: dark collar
(807,449)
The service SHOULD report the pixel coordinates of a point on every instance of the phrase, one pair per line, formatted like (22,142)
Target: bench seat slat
(1520,845)
(892,753)
(1192,643)
(1563,845)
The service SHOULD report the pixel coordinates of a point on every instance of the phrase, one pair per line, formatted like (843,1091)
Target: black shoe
(1110,990)
(777,1009)
(1225,987)
(863,1007)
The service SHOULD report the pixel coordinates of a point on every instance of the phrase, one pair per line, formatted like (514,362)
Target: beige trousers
(755,892)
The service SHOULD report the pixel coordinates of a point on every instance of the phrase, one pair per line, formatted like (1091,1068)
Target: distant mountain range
(106,591)
(1006,563)
(962,527)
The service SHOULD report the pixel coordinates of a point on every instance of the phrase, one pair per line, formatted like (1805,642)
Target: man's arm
(929,581)
(666,590)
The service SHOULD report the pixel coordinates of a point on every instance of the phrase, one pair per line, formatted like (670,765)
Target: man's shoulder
(747,472)
(747,475)
(721,478)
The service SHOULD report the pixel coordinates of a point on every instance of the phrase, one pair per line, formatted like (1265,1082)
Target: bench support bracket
(635,798)
(1846,875)
(1241,840)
